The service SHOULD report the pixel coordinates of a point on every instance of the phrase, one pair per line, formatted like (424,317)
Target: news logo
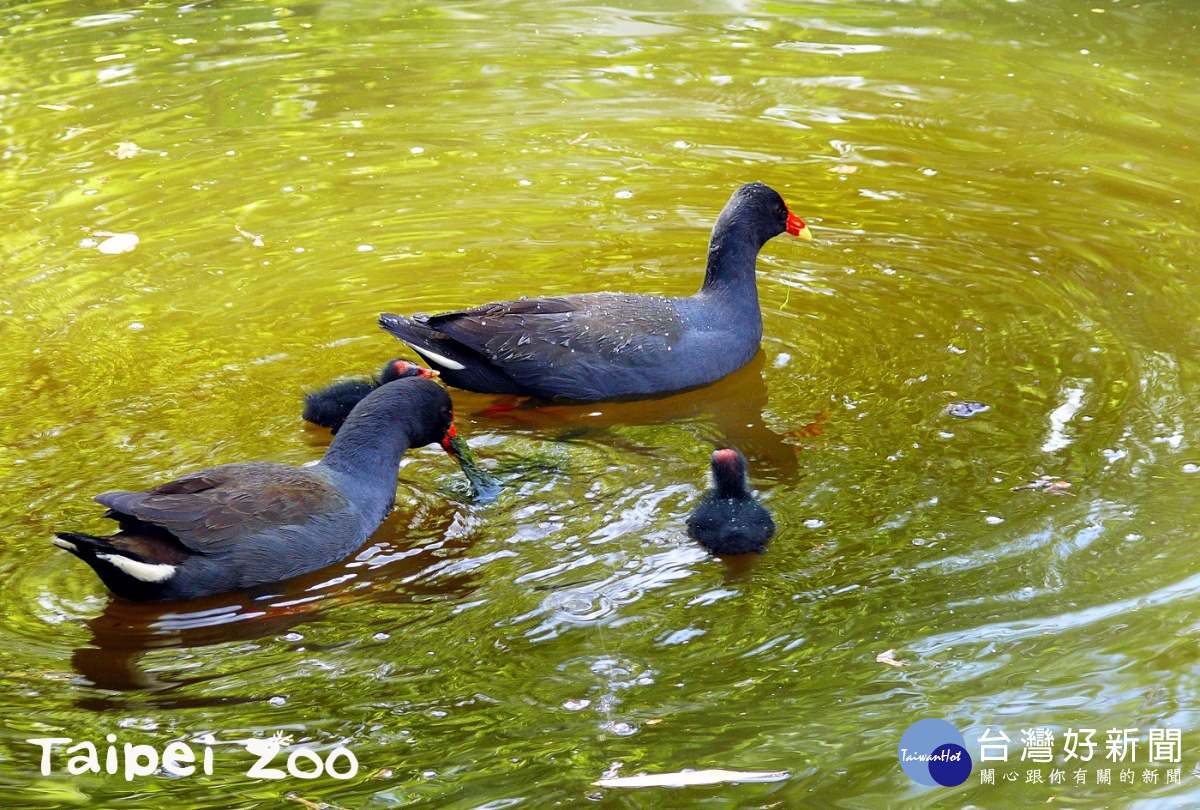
(933,753)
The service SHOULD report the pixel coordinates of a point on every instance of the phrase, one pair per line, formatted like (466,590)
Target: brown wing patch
(209,507)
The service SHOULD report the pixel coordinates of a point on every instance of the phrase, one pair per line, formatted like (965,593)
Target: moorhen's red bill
(330,406)
(614,345)
(728,520)
(240,525)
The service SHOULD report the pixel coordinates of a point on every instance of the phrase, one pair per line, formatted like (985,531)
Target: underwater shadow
(727,413)
(388,569)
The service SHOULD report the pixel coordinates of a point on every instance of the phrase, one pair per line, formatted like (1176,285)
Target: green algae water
(1004,202)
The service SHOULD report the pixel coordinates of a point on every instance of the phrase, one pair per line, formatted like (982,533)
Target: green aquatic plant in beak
(484,488)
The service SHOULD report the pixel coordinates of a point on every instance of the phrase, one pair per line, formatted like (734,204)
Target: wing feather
(209,508)
(622,330)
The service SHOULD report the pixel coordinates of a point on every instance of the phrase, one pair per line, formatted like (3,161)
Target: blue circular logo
(933,753)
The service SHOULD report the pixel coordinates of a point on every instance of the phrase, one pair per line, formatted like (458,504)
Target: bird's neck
(731,489)
(732,256)
(366,453)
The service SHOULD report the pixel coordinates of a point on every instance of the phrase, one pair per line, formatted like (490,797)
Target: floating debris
(118,243)
(311,805)
(843,168)
(885,657)
(57,107)
(1047,483)
(579,140)
(966,409)
(689,778)
(255,238)
(125,150)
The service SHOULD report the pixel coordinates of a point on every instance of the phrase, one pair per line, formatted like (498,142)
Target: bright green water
(1021,230)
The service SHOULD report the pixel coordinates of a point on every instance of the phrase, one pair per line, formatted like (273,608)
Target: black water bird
(728,520)
(329,406)
(598,346)
(241,525)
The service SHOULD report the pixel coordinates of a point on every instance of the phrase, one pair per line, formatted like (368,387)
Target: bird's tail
(125,572)
(84,546)
(443,353)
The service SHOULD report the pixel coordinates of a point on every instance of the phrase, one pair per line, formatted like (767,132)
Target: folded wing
(233,503)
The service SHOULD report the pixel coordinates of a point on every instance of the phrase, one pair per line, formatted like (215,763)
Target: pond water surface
(1004,202)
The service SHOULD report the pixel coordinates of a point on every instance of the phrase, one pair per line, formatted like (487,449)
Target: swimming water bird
(728,520)
(598,346)
(240,525)
(330,406)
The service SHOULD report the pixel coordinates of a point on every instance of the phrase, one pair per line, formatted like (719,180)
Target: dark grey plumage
(599,346)
(329,406)
(728,520)
(241,525)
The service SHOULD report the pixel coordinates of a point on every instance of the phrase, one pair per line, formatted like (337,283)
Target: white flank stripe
(436,358)
(146,572)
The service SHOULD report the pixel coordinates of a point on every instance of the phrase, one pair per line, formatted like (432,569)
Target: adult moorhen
(614,345)
(728,520)
(330,406)
(240,525)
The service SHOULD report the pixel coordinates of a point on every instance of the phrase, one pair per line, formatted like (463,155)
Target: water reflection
(1009,196)
(732,412)
(388,570)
